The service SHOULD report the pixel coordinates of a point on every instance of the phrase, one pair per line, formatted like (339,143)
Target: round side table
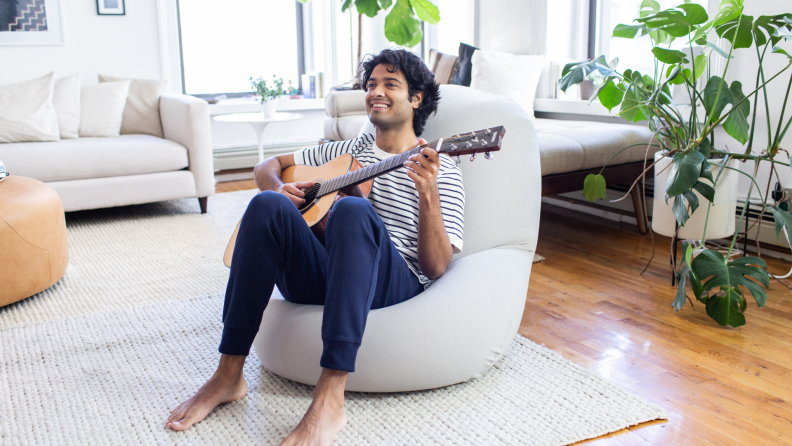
(258,122)
(34,250)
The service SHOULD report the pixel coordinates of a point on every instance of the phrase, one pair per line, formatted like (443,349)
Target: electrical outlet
(782,195)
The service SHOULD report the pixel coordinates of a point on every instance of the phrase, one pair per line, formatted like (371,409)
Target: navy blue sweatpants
(357,269)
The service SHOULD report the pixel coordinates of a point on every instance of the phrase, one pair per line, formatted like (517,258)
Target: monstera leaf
(575,72)
(714,271)
(594,187)
(684,172)
(677,22)
(738,30)
(764,28)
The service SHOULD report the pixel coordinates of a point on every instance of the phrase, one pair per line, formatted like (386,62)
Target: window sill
(569,106)
(247,105)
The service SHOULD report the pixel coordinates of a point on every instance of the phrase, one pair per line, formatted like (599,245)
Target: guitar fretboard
(370,171)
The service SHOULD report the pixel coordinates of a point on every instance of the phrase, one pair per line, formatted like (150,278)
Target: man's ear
(417,99)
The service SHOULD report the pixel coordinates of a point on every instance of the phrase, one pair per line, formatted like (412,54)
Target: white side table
(258,122)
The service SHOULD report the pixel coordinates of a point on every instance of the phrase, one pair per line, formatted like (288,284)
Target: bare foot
(326,417)
(320,425)
(226,385)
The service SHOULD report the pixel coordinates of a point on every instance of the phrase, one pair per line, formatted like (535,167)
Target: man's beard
(392,120)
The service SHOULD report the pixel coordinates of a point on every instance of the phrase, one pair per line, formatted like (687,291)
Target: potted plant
(693,171)
(269,94)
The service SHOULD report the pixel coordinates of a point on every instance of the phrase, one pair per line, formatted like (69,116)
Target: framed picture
(109,7)
(30,22)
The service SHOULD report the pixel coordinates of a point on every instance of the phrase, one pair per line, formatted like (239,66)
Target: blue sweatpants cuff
(339,355)
(236,341)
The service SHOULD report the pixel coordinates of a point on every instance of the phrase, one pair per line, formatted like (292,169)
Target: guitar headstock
(485,140)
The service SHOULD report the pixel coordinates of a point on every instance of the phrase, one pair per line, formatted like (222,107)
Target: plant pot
(721,215)
(586,90)
(269,108)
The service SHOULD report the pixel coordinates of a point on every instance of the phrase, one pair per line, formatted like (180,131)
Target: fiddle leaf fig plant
(688,138)
(402,27)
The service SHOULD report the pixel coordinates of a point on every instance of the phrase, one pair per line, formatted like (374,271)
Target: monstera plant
(687,139)
(403,22)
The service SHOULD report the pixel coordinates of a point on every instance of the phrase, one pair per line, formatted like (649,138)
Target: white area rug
(133,329)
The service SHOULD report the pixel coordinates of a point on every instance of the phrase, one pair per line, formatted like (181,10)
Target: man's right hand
(293,191)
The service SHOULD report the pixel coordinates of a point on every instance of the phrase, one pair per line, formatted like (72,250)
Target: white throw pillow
(102,107)
(141,114)
(66,100)
(26,111)
(508,75)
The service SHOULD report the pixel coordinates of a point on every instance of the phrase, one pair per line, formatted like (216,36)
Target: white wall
(512,26)
(125,46)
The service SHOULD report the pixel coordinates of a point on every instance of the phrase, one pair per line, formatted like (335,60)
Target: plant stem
(723,77)
(774,146)
(752,180)
(622,150)
(738,156)
(745,206)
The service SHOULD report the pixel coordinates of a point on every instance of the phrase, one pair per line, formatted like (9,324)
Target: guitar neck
(371,171)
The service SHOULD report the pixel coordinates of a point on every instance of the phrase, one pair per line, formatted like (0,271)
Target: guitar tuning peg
(488,155)
(458,160)
(468,144)
(473,157)
(488,131)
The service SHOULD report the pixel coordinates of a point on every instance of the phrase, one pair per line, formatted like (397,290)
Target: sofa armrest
(185,120)
(345,103)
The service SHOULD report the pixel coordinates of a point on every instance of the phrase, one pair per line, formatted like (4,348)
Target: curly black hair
(419,78)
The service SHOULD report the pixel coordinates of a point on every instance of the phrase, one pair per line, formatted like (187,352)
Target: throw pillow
(26,111)
(464,69)
(141,114)
(102,107)
(509,75)
(443,66)
(66,99)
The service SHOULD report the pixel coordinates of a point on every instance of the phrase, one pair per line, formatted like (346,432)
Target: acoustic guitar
(345,171)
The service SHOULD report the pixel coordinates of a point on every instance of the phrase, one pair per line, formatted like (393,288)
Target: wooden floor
(588,302)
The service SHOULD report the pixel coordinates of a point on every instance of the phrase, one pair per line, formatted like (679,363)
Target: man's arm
(267,175)
(434,247)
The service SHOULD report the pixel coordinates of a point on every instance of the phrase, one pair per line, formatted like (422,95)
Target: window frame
(300,56)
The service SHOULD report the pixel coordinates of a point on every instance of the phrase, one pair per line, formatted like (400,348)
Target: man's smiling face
(388,101)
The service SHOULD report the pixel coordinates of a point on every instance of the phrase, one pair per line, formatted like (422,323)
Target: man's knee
(267,205)
(352,209)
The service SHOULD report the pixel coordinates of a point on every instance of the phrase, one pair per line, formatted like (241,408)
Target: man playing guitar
(378,251)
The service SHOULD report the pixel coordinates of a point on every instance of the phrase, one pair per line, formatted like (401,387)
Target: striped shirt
(395,198)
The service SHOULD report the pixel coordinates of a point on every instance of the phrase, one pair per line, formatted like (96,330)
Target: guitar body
(317,212)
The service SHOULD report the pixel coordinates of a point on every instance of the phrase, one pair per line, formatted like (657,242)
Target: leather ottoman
(34,250)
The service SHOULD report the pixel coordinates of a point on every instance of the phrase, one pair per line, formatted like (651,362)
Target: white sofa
(90,173)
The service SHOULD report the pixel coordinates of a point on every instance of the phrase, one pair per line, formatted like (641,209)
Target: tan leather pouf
(34,250)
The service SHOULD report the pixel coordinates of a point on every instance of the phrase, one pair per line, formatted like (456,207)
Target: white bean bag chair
(465,321)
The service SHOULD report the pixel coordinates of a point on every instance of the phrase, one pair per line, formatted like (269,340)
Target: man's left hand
(422,168)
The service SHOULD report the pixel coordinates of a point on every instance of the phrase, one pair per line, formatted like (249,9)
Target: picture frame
(110,7)
(39,23)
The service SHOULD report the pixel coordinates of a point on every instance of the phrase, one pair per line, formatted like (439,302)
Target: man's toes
(181,425)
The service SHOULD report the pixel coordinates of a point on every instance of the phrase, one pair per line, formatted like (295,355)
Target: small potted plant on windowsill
(269,94)
(692,171)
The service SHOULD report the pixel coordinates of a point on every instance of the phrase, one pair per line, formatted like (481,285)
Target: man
(377,252)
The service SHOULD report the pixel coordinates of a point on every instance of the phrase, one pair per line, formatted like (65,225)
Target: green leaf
(692,200)
(610,95)
(706,172)
(426,11)
(705,190)
(779,50)
(700,65)
(677,22)
(736,124)
(680,210)
(629,31)
(695,284)
(728,10)
(684,172)
(782,220)
(764,28)
(711,266)
(671,57)
(706,149)
(738,31)
(385,4)
(594,187)
(681,298)
(711,91)
(369,8)
(401,26)
(346,5)
(717,49)
(783,33)
(575,72)
(631,109)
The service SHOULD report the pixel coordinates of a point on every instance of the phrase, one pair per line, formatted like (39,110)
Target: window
(632,53)
(455,26)
(224,43)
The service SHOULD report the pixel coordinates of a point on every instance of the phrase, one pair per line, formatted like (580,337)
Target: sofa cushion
(82,158)
(141,113)
(568,146)
(26,111)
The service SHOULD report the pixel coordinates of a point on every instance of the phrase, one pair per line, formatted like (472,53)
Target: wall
(125,46)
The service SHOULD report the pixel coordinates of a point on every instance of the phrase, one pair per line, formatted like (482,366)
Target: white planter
(269,108)
(721,216)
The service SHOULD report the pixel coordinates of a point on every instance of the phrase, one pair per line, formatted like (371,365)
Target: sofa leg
(639,204)
(203,202)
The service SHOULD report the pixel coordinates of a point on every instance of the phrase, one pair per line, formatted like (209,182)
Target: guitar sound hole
(310,197)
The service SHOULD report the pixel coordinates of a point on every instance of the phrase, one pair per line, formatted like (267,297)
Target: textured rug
(133,329)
